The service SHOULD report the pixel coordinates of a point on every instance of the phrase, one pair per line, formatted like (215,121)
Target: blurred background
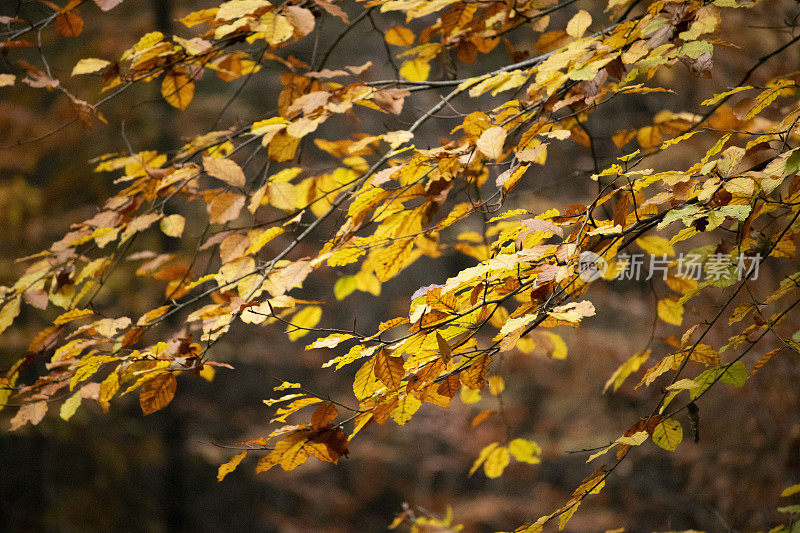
(158,473)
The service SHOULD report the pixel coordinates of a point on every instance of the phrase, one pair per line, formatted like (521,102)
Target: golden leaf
(224,207)
(670,311)
(157,392)
(69,24)
(490,143)
(668,434)
(230,466)
(578,24)
(415,70)
(177,88)
(399,36)
(173,225)
(225,170)
(389,370)
(496,461)
(89,65)
(303,321)
(276,28)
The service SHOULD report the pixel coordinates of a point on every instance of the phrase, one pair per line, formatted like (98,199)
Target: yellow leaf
(331,341)
(282,195)
(670,311)
(230,466)
(559,346)
(496,462)
(308,317)
(11,309)
(482,457)
(344,286)
(276,28)
(525,451)
(235,9)
(198,17)
(89,65)
(287,385)
(7,79)
(496,384)
(415,70)
(469,396)
(400,36)
(225,170)
(668,434)
(257,242)
(365,383)
(157,392)
(69,316)
(69,407)
(177,88)
(626,369)
(173,225)
(490,143)
(406,407)
(291,452)
(578,24)
(655,245)
(789,491)
(293,407)
(634,440)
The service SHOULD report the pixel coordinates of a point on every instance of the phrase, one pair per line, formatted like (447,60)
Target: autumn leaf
(157,392)
(230,466)
(668,434)
(578,24)
(69,24)
(415,70)
(303,321)
(177,88)
(399,36)
(670,311)
(225,170)
(173,225)
(87,66)
(389,370)
(490,143)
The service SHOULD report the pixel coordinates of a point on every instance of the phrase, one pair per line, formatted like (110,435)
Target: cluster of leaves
(397,202)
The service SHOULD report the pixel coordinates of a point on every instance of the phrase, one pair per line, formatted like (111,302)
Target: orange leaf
(177,88)
(324,415)
(157,392)
(389,370)
(230,466)
(69,24)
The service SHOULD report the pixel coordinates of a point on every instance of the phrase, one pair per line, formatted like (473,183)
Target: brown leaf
(69,24)
(30,412)
(225,207)
(334,439)
(324,415)
(177,88)
(225,170)
(157,392)
(389,370)
(450,386)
